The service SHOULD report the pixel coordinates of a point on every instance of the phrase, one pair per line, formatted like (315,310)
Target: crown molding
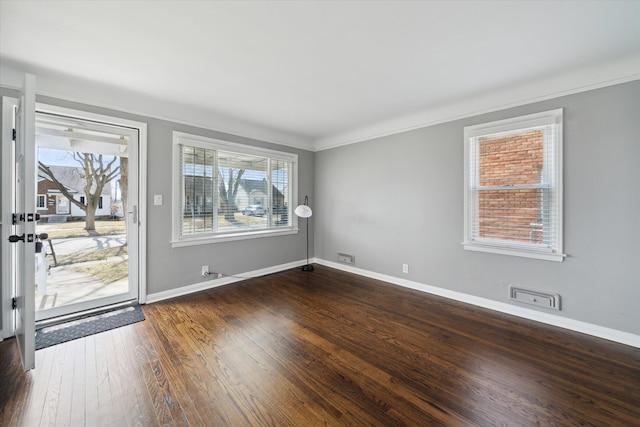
(76,89)
(578,80)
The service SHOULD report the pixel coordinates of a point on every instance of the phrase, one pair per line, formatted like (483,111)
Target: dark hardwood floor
(323,348)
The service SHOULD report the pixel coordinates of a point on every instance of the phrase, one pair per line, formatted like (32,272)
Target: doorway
(88,201)
(23,204)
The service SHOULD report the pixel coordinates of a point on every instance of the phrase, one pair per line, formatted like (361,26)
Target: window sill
(526,253)
(206,240)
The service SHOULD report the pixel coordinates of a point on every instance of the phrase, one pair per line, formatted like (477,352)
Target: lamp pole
(304,211)
(307,267)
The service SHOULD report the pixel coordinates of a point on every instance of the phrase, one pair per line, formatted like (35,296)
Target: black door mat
(52,335)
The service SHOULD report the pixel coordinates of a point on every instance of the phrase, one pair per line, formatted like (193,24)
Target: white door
(94,267)
(62,206)
(24,225)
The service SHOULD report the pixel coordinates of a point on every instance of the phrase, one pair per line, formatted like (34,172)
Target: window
(224,191)
(41,201)
(513,186)
(82,200)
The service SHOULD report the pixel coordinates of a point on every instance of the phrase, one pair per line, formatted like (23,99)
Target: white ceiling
(317,74)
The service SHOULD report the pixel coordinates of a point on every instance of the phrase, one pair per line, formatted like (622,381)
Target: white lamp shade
(303,211)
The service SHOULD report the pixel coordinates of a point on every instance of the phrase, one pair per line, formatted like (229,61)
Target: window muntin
(83,200)
(513,191)
(41,201)
(225,191)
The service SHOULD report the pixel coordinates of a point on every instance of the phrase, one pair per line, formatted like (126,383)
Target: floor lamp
(304,211)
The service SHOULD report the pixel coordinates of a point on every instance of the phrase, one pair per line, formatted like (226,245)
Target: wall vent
(346,258)
(534,297)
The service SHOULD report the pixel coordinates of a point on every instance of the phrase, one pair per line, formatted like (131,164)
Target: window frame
(180,138)
(554,170)
(44,199)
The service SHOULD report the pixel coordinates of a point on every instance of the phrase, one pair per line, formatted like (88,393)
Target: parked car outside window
(253,210)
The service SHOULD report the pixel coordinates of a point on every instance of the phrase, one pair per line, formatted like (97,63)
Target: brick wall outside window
(508,214)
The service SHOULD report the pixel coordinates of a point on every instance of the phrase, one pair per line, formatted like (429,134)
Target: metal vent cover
(346,258)
(534,297)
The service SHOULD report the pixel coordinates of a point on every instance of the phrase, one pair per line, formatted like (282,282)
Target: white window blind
(227,191)
(513,188)
(196,190)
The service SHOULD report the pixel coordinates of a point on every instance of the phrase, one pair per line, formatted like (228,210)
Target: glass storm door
(88,171)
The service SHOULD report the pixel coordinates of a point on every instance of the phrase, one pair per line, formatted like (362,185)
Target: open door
(23,223)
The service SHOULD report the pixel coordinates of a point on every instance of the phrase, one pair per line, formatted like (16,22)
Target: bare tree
(97,173)
(228,192)
(124,184)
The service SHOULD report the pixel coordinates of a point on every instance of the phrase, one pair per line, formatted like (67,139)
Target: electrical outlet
(405,268)
(205,270)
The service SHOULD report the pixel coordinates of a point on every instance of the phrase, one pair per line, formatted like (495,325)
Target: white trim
(547,256)
(194,241)
(8,327)
(224,280)
(580,80)
(513,126)
(142,212)
(221,145)
(69,88)
(547,318)
(525,313)
(141,127)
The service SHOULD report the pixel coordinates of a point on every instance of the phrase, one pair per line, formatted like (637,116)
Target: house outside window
(224,191)
(513,186)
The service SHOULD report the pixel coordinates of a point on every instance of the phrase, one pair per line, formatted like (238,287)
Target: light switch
(157,199)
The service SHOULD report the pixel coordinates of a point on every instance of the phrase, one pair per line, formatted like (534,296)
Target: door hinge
(14,303)
(30,217)
(14,134)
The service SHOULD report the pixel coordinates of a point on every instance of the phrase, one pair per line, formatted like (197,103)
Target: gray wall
(399,199)
(170,268)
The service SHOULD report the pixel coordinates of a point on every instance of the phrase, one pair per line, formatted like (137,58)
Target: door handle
(134,212)
(14,238)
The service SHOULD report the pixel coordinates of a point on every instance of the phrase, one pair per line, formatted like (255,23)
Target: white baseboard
(550,319)
(547,318)
(224,280)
